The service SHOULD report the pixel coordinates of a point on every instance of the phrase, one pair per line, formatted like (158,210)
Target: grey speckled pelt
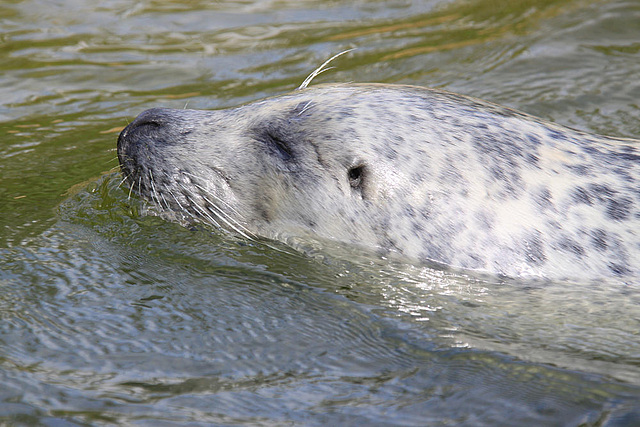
(426,174)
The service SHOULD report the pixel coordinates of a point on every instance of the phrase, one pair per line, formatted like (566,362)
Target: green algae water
(110,317)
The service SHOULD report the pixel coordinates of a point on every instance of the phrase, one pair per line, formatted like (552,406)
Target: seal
(427,174)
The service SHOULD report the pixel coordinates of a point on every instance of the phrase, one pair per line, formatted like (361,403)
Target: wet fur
(427,174)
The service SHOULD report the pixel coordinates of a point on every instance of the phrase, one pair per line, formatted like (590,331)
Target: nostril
(153,118)
(144,127)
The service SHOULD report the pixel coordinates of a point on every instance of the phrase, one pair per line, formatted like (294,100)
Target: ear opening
(356,177)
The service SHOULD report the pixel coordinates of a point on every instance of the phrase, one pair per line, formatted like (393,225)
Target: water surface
(109,317)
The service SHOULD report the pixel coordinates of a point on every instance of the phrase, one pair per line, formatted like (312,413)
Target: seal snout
(151,129)
(141,141)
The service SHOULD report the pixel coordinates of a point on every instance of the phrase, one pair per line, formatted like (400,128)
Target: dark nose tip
(150,127)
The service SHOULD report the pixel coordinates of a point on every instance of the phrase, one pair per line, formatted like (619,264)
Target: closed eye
(275,143)
(279,147)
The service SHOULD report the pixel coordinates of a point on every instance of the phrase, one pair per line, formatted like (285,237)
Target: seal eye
(281,147)
(277,143)
(355,176)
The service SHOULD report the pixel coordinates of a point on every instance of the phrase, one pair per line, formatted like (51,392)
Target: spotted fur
(427,174)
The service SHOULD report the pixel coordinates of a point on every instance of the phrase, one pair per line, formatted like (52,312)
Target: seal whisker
(305,108)
(226,205)
(199,178)
(321,69)
(114,159)
(224,217)
(154,192)
(230,221)
(247,234)
(123,181)
(165,201)
(139,187)
(182,209)
(205,214)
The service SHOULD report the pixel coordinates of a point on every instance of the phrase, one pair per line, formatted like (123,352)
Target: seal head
(427,174)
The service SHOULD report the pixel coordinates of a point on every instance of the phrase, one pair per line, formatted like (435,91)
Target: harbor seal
(427,174)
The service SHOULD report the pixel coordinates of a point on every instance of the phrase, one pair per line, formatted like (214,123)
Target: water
(109,317)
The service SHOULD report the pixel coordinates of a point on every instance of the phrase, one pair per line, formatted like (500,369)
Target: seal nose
(148,130)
